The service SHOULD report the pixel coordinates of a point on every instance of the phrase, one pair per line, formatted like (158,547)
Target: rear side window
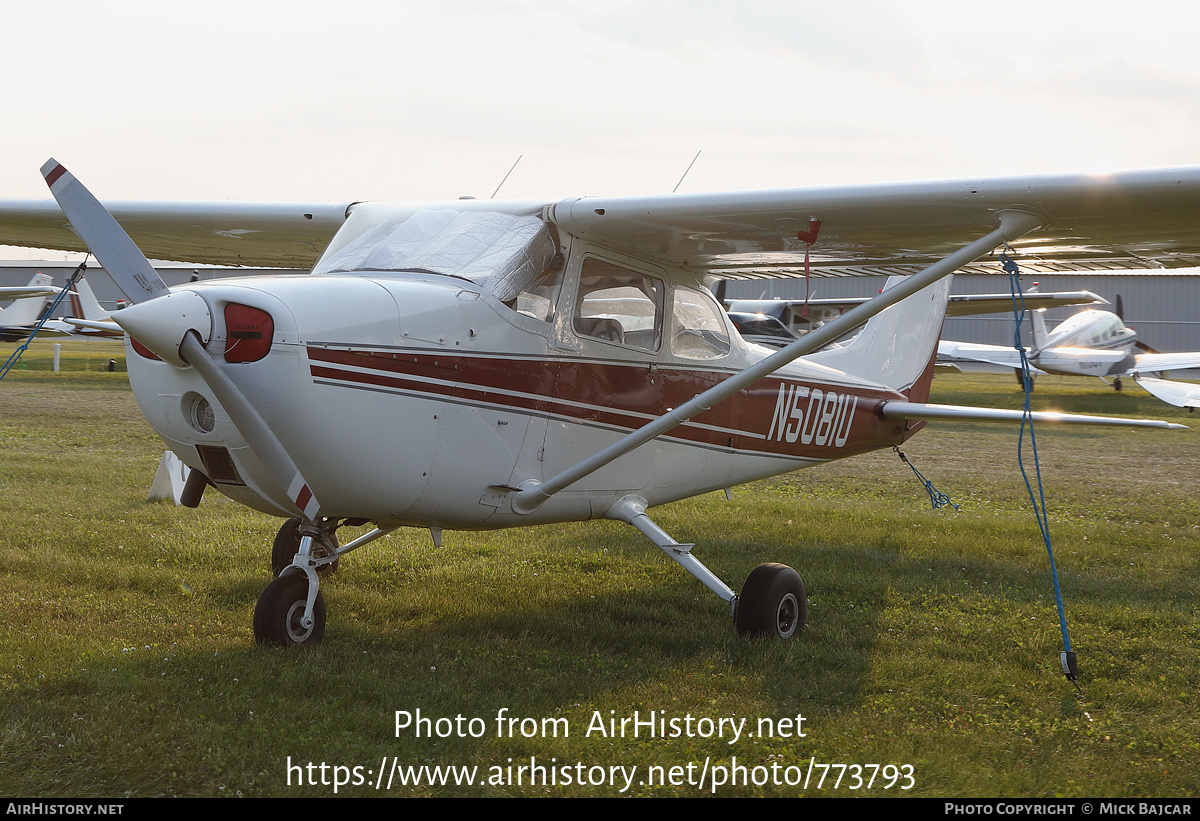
(697,326)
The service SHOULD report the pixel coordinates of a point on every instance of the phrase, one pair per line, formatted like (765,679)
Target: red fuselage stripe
(775,416)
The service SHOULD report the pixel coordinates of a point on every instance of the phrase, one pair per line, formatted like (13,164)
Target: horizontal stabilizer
(916,410)
(107,326)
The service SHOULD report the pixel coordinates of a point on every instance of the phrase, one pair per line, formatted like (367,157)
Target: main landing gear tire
(772,603)
(279,611)
(287,543)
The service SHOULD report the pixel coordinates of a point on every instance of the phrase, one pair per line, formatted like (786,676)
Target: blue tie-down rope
(1067,658)
(936,497)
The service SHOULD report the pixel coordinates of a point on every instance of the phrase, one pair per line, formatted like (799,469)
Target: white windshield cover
(501,253)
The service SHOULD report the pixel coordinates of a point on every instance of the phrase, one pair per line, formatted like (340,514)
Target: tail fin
(27,309)
(1039,323)
(84,304)
(896,348)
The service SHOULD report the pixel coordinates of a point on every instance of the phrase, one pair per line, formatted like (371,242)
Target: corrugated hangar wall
(1162,306)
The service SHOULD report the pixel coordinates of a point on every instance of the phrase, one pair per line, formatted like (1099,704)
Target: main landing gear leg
(772,603)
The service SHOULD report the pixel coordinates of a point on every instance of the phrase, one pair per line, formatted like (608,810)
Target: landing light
(200,414)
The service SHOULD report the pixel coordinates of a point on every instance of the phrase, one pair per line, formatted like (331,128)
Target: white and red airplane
(486,364)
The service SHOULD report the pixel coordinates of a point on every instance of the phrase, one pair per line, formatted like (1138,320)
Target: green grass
(128,665)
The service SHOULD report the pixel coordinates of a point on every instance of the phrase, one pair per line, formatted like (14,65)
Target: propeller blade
(103,235)
(163,324)
(1119,308)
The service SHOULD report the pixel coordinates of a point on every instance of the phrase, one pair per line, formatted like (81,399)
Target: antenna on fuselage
(506,176)
(685,173)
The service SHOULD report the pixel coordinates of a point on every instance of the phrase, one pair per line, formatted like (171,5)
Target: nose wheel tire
(280,610)
(772,603)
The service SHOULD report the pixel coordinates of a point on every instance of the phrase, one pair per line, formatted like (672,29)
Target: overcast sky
(357,99)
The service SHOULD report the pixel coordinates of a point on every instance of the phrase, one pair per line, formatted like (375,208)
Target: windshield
(501,253)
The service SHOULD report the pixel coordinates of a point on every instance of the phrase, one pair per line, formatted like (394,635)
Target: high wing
(972,304)
(26,292)
(1136,219)
(269,235)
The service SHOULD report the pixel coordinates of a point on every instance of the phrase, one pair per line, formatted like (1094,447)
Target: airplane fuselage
(1089,343)
(394,393)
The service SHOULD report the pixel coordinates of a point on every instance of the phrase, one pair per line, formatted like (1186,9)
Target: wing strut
(1013,225)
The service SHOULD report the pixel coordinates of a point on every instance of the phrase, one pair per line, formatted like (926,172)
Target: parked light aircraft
(28,303)
(1093,342)
(487,364)
(87,318)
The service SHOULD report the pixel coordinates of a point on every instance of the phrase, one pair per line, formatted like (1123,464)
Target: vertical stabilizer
(84,304)
(897,347)
(28,309)
(1039,330)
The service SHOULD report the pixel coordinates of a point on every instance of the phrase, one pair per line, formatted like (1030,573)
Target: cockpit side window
(618,304)
(698,326)
(538,299)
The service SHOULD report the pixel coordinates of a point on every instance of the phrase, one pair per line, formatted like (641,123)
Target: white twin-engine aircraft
(1093,342)
(486,364)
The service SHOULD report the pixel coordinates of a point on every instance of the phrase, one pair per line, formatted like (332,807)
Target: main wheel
(279,611)
(772,603)
(287,543)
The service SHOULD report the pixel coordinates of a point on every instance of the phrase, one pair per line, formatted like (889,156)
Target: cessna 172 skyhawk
(485,364)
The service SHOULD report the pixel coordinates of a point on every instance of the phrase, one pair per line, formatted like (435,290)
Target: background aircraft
(87,319)
(776,322)
(487,364)
(28,303)
(1093,342)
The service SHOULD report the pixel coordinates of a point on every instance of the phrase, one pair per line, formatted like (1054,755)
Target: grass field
(128,665)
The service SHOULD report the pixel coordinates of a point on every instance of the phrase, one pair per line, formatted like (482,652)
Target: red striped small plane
(484,364)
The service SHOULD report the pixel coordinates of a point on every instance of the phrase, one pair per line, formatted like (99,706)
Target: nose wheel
(279,613)
(772,603)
